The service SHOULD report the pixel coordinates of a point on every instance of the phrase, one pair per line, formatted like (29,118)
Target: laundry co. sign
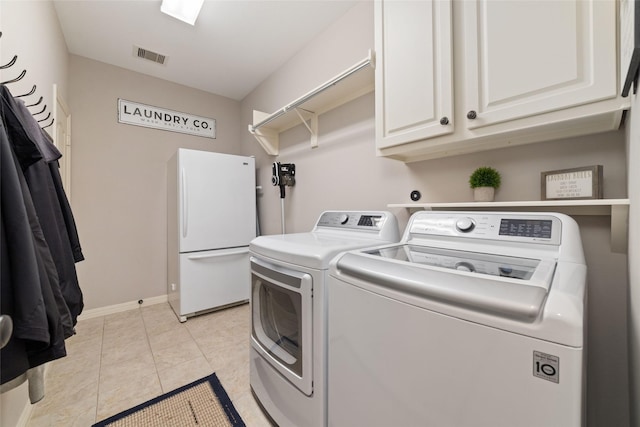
(137,114)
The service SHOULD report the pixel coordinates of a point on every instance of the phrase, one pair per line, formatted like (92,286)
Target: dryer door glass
(280,320)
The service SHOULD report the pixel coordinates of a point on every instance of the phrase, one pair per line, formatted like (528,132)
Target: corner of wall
(633,185)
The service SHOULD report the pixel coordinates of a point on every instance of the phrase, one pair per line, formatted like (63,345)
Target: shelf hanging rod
(354,69)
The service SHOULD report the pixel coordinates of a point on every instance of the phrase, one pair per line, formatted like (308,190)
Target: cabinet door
(414,90)
(530,57)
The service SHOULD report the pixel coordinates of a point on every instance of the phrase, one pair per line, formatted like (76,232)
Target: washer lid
(504,286)
(313,249)
(473,262)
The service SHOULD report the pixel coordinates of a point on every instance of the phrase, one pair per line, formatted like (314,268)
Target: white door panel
(61,134)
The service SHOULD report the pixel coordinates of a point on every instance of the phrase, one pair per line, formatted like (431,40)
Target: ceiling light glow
(184,10)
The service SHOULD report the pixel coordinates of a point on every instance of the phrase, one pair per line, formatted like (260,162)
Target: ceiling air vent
(149,55)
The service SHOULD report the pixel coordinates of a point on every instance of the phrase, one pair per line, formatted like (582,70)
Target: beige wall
(342,45)
(43,53)
(119,176)
(344,173)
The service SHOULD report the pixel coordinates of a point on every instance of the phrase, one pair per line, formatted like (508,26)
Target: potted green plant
(484,181)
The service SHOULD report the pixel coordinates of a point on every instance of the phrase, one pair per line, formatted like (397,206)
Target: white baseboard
(119,308)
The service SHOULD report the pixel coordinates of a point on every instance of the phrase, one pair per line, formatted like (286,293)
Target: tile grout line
(200,349)
(95,417)
(153,356)
(195,341)
(102,348)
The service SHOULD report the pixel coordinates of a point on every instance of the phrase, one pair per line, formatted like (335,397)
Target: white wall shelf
(346,86)
(618,209)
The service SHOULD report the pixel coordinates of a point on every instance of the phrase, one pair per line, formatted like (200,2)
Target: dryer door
(281,320)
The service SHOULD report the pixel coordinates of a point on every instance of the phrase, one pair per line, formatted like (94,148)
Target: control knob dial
(465,224)
(465,266)
(343,218)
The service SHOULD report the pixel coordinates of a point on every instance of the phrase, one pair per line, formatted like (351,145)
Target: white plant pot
(483,194)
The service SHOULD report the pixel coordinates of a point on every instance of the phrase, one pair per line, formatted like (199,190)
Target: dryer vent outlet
(149,55)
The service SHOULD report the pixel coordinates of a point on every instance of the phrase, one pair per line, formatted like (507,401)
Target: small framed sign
(572,184)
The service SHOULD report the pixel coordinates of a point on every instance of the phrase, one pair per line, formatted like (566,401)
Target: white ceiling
(233,47)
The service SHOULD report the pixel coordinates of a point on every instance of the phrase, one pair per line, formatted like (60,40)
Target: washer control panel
(534,228)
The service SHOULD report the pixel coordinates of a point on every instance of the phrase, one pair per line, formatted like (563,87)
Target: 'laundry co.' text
(159,118)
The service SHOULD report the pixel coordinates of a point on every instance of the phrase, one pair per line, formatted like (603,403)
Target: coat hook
(48,124)
(13,61)
(17,79)
(41,111)
(34,104)
(31,92)
(46,118)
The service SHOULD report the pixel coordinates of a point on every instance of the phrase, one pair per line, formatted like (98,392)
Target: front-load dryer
(473,319)
(288,305)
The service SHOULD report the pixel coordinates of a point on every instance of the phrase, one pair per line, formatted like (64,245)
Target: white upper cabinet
(531,57)
(414,88)
(523,71)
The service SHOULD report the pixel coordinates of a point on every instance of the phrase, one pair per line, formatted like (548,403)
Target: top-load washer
(473,319)
(288,305)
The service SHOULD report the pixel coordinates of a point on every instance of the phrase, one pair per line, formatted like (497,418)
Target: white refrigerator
(211,218)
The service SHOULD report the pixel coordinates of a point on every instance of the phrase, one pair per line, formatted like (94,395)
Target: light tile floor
(118,361)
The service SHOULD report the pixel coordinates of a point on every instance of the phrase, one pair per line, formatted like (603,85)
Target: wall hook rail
(10,63)
(31,92)
(46,126)
(17,79)
(34,104)
(46,118)
(41,111)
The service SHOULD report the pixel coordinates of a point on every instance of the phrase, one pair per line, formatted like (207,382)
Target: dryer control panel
(532,228)
(381,225)
(357,220)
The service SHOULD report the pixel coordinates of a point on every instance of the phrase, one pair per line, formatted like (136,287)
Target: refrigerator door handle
(239,251)
(185,199)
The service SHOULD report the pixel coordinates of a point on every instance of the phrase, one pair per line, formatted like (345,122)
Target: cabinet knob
(472,115)
(444,121)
